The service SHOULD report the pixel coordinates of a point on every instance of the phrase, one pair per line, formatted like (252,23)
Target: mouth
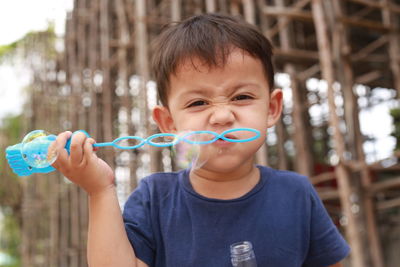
(222,142)
(229,136)
(225,143)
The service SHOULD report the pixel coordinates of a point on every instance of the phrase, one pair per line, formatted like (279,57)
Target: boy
(213,72)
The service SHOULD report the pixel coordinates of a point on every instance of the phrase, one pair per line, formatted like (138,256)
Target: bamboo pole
(94,66)
(210,6)
(82,198)
(249,11)
(394,46)
(342,173)
(234,8)
(283,162)
(106,86)
(54,200)
(297,5)
(176,10)
(354,135)
(303,166)
(123,80)
(249,15)
(64,204)
(80,118)
(144,73)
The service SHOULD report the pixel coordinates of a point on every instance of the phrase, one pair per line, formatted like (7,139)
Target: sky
(18,17)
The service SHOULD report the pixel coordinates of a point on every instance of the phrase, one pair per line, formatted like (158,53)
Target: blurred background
(80,64)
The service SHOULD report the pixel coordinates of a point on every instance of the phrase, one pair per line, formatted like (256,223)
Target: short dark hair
(210,38)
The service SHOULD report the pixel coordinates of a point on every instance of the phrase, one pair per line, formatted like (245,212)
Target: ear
(275,107)
(163,118)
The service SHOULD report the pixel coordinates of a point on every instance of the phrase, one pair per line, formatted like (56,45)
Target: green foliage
(10,191)
(7,52)
(7,49)
(395,113)
(10,128)
(10,238)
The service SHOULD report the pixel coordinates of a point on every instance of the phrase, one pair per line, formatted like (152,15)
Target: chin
(225,165)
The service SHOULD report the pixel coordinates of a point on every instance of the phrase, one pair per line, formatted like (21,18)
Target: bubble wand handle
(30,156)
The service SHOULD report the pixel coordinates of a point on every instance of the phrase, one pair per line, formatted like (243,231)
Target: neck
(227,185)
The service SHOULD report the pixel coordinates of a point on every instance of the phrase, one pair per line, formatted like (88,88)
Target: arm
(108,243)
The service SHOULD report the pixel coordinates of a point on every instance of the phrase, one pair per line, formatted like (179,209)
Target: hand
(82,166)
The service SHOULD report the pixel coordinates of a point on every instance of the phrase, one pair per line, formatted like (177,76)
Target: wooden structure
(102,83)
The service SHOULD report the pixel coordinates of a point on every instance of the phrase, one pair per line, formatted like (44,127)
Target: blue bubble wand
(32,155)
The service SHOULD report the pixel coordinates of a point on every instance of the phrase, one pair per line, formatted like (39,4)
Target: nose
(222,115)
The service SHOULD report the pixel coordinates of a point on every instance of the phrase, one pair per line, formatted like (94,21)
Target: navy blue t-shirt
(169,224)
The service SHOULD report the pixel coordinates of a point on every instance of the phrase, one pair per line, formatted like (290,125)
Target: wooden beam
(388,204)
(393,7)
(295,53)
(368,77)
(367,3)
(298,5)
(371,47)
(362,12)
(287,12)
(311,71)
(369,24)
(381,168)
(328,194)
(323,177)
(383,185)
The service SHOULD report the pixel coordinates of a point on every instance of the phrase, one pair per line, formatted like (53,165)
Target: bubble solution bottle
(242,255)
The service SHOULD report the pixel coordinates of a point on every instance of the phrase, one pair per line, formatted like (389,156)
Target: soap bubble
(35,149)
(191,149)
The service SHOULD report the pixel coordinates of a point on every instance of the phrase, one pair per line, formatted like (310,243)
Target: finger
(59,146)
(76,149)
(88,151)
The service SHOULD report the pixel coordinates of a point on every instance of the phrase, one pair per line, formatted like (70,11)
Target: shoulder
(286,180)
(162,179)
(159,184)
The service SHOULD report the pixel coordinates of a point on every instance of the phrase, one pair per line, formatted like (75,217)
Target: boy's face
(217,99)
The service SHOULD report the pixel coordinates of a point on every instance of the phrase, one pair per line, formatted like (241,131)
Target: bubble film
(35,149)
(191,150)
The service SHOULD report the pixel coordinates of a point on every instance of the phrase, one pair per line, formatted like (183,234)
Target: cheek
(185,122)
(254,116)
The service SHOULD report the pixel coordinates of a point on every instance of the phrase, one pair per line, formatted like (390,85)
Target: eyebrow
(208,91)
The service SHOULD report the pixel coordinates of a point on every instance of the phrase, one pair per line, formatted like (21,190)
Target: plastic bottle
(242,255)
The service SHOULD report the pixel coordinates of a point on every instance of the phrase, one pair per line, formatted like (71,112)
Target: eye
(242,97)
(197,103)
